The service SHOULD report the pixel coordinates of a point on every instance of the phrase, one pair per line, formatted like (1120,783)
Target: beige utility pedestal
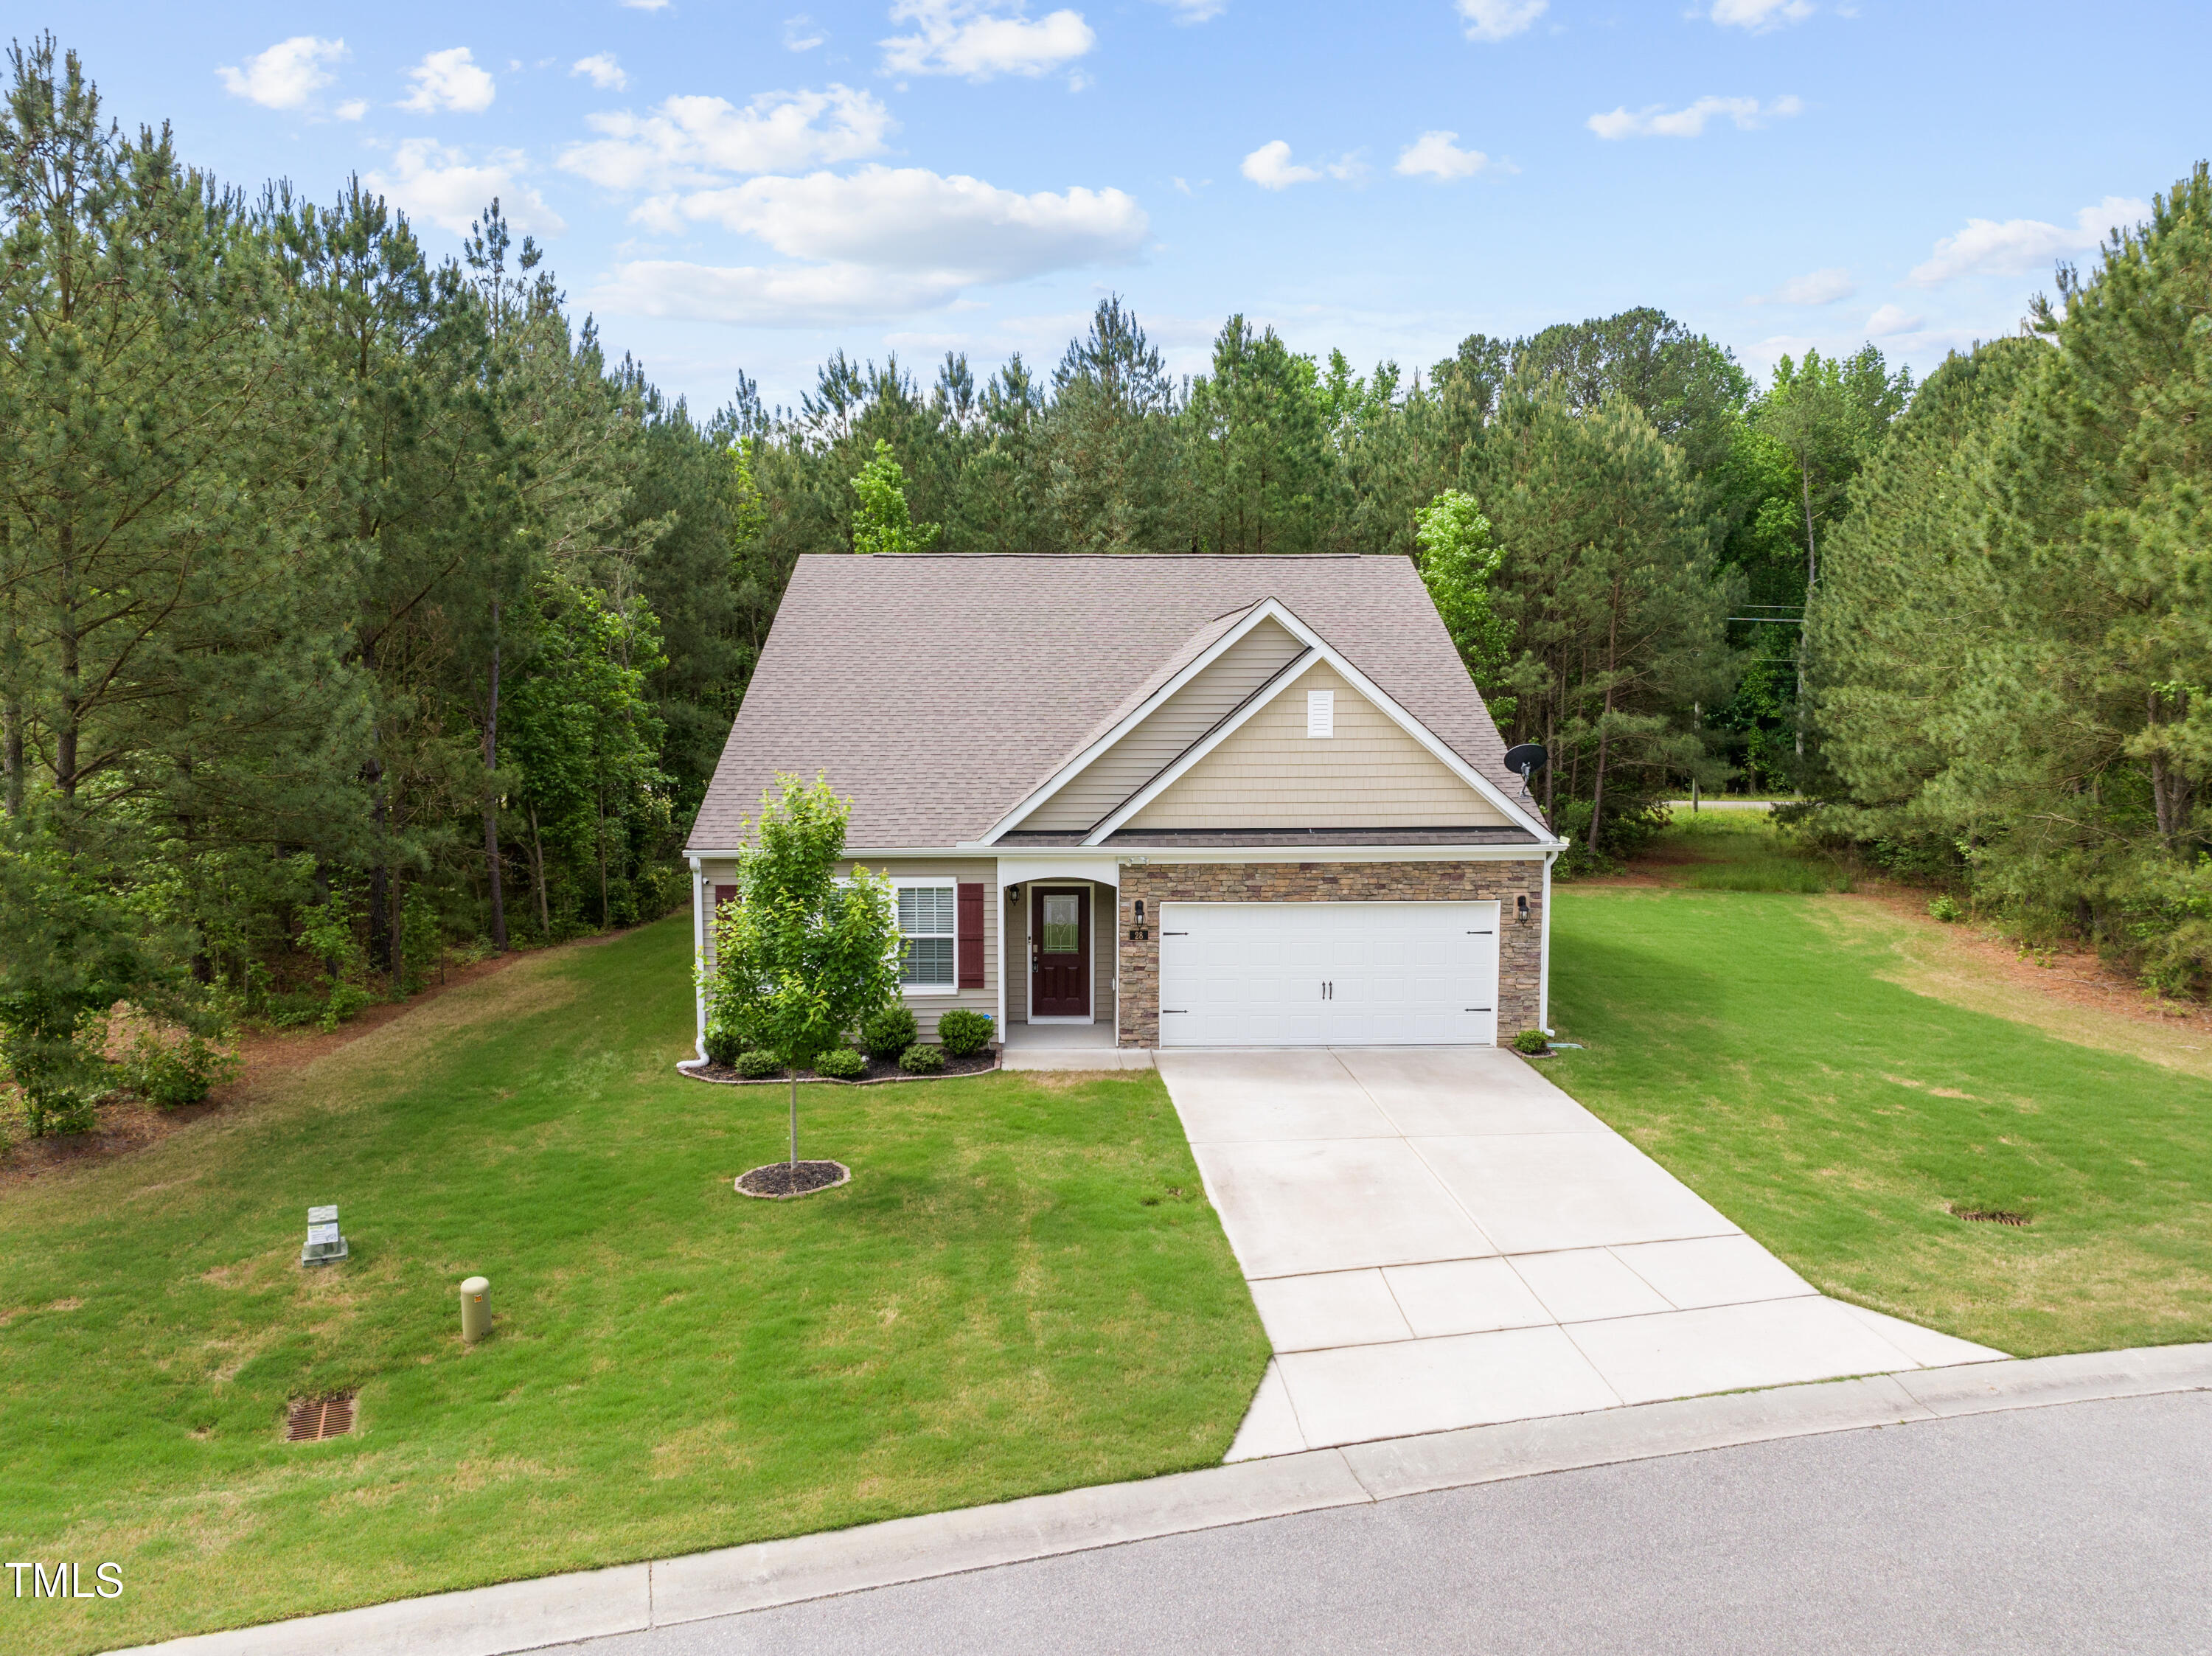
(475,1309)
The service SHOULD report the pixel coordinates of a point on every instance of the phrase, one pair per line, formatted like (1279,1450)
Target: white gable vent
(1320,712)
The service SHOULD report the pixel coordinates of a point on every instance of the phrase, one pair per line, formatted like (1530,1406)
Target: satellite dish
(1526,760)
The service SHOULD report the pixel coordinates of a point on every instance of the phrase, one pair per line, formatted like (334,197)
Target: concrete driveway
(1438,1237)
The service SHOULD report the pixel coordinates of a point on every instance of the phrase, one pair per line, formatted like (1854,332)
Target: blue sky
(731,186)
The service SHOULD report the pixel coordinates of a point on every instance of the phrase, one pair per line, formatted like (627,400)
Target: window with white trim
(928,921)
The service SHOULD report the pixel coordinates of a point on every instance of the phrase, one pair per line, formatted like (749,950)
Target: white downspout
(1544,954)
(998,915)
(699,952)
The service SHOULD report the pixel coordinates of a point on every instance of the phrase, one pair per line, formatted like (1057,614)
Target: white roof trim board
(1317,648)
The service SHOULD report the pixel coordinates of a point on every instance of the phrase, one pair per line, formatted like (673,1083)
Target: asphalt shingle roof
(936,692)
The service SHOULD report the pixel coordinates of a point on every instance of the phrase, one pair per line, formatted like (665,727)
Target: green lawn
(1737,850)
(1764,1049)
(1023,1290)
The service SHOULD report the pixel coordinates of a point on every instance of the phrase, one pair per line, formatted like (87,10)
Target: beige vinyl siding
(1103,952)
(1269,774)
(1168,729)
(927,1007)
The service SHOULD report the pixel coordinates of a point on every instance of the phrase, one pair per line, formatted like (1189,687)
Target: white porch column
(1544,954)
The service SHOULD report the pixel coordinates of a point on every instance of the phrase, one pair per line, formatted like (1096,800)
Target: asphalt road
(2081,1528)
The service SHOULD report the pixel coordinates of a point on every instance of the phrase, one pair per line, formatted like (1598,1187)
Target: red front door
(1059,954)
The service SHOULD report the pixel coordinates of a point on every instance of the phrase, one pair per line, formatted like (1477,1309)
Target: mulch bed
(781,1179)
(878,1069)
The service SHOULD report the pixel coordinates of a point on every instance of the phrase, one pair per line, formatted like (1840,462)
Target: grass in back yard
(1022,1290)
(1758,1046)
(1735,851)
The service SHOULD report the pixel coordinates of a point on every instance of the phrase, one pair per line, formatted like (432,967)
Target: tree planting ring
(779,1182)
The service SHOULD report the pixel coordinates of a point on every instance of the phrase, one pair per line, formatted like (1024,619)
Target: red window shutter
(723,894)
(971,936)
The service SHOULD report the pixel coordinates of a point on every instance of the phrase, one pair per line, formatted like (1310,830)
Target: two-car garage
(1328,974)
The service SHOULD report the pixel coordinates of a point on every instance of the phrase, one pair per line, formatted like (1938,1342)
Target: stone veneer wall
(1520,948)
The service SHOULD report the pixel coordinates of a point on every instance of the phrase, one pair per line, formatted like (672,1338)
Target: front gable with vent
(1263,726)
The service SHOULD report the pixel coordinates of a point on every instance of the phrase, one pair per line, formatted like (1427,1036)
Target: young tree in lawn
(802,956)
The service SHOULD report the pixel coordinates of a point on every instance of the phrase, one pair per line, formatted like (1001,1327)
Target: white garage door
(1327,975)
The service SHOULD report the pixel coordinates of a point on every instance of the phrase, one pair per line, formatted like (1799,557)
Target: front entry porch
(1069,1047)
(1060,960)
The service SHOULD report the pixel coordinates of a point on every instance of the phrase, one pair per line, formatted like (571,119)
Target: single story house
(1203,801)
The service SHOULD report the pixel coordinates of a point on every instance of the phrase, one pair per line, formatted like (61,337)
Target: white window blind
(1320,712)
(927,923)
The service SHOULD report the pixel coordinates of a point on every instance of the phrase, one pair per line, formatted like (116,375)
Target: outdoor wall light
(1141,911)
(1521,908)
(1013,894)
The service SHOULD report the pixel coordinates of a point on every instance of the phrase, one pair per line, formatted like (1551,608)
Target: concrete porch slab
(1076,1058)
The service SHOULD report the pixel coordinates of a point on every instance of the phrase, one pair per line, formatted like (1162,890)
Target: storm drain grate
(313,1419)
(1988,1216)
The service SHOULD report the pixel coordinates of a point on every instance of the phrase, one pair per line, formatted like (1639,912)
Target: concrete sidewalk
(1438,1237)
(635,1598)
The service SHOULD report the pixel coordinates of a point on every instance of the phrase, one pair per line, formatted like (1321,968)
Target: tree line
(2010,646)
(1619,526)
(356,609)
(352,603)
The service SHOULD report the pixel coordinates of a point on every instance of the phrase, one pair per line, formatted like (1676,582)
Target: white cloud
(1892,320)
(286,75)
(1195,11)
(1499,20)
(1438,156)
(689,139)
(980,39)
(1760,15)
(884,242)
(449,80)
(1269,166)
(645,5)
(1657,122)
(1986,247)
(910,220)
(1820,287)
(802,34)
(352,109)
(605,73)
(442,185)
